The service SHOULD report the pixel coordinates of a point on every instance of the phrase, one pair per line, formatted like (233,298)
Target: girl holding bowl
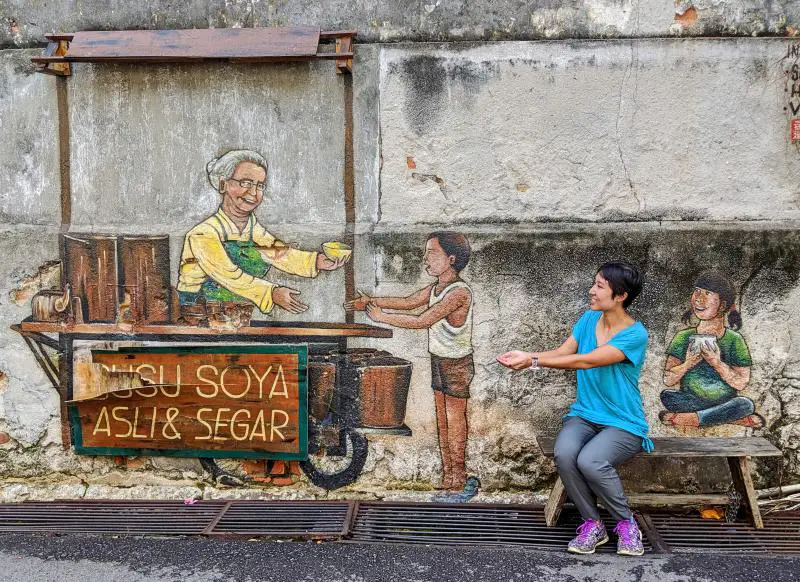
(710,362)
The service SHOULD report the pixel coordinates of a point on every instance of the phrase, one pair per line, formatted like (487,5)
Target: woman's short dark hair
(623,277)
(455,244)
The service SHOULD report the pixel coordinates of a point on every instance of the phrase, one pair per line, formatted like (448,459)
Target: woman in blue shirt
(606,425)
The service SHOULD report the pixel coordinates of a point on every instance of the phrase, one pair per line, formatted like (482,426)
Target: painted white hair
(225,165)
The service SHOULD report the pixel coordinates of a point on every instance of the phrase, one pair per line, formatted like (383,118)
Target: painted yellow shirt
(204,257)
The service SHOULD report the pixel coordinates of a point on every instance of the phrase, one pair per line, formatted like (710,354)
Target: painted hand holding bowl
(702,340)
(336,250)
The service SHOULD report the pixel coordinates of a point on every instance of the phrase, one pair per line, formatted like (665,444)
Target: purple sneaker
(591,533)
(630,538)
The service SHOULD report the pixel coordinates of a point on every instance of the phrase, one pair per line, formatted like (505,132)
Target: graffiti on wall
(709,363)
(791,68)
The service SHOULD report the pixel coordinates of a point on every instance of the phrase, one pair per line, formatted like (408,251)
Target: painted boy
(448,319)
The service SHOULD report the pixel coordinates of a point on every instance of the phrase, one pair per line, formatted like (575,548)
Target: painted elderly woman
(227,256)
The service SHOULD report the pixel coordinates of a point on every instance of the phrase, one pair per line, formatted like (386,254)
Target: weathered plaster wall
(24,23)
(550,156)
(29,182)
(141,138)
(587,131)
(29,218)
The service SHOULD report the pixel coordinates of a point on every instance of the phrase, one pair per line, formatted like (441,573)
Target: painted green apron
(245,256)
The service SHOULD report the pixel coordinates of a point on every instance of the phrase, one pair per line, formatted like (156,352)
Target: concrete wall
(30,211)
(530,285)
(24,23)
(587,131)
(552,156)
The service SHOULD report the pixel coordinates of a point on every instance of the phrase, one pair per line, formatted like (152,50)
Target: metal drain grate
(109,517)
(388,522)
(309,519)
(474,525)
(315,519)
(781,534)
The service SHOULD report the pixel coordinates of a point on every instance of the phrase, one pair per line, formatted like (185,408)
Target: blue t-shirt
(609,395)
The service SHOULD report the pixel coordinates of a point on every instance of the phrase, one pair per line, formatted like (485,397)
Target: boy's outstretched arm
(413,301)
(454,300)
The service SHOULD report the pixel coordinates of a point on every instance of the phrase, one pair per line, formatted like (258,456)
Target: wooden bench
(736,450)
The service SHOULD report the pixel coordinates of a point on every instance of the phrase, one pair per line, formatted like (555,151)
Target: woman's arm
(453,301)
(568,347)
(413,301)
(518,360)
(602,356)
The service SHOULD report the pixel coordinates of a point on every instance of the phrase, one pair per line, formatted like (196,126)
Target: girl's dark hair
(718,283)
(623,277)
(455,244)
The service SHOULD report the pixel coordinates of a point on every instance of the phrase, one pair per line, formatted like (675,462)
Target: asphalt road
(39,558)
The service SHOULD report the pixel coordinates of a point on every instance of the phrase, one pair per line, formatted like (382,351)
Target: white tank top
(445,340)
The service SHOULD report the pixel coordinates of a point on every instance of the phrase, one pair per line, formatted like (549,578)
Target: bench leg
(558,495)
(740,471)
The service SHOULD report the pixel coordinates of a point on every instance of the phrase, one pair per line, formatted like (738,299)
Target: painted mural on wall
(224,263)
(175,400)
(123,281)
(187,401)
(709,362)
(226,257)
(448,321)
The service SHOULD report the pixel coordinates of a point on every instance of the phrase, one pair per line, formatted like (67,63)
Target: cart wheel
(334,471)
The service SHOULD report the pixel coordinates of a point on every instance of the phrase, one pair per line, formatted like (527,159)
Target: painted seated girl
(710,362)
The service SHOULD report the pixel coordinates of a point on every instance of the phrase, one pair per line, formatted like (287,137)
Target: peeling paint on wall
(47,277)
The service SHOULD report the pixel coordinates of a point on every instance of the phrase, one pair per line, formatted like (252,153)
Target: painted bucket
(383,384)
(357,356)
(321,385)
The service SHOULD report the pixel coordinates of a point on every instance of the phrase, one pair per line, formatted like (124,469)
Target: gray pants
(586,455)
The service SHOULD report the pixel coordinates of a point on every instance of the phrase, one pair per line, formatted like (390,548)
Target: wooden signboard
(220,401)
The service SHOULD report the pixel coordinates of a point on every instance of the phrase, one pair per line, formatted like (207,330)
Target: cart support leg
(65,389)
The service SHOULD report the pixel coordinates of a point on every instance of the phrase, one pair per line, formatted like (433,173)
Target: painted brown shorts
(452,375)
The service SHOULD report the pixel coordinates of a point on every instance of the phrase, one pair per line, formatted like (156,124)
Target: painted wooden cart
(334,427)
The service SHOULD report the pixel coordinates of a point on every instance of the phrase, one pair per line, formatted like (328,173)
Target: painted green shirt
(703,380)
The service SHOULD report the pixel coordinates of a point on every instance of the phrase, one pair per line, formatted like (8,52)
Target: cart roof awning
(269,44)
(172,45)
